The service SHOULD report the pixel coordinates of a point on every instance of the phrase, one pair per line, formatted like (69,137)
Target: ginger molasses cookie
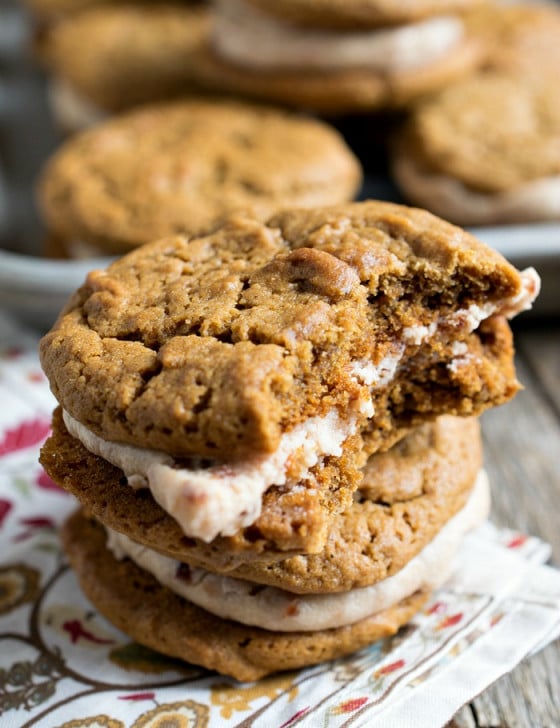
(457,157)
(521,38)
(404,497)
(213,369)
(356,14)
(155,616)
(252,51)
(280,610)
(244,629)
(52,10)
(181,167)
(110,58)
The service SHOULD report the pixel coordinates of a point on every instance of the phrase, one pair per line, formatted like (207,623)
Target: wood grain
(522,455)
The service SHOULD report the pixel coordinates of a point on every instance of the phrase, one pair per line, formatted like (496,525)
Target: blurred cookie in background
(110,58)
(356,15)
(46,12)
(485,151)
(181,167)
(357,57)
(523,39)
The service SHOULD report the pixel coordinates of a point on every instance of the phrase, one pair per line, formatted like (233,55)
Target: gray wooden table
(522,454)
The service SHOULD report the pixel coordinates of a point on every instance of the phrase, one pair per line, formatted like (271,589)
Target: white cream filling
(375,375)
(281,611)
(471,317)
(446,196)
(71,110)
(223,498)
(418,334)
(249,37)
(226,497)
(461,356)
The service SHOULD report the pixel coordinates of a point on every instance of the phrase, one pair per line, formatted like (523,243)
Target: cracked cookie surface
(216,346)
(180,168)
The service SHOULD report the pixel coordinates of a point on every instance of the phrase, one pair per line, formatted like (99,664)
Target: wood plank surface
(522,455)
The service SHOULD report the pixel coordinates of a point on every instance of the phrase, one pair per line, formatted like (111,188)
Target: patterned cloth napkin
(62,664)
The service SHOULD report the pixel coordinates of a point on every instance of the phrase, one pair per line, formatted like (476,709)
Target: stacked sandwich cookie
(257,423)
(336,56)
(456,157)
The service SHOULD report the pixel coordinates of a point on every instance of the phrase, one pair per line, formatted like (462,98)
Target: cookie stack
(253,421)
(336,56)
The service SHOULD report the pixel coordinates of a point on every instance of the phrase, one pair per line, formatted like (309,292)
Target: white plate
(34,289)
(523,242)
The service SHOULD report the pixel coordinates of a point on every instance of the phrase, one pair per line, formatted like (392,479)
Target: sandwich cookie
(222,371)
(182,167)
(383,62)
(110,58)
(404,497)
(457,157)
(246,630)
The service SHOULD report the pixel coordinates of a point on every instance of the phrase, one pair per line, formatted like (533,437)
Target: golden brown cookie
(522,39)
(254,53)
(180,168)
(292,520)
(244,376)
(152,615)
(406,496)
(112,58)
(358,13)
(220,345)
(457,157)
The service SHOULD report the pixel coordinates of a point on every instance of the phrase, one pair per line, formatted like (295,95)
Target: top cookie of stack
(279,349)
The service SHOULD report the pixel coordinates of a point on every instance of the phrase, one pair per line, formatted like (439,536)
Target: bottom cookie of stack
(247,628)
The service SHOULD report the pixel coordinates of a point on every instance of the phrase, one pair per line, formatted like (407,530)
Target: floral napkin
(62,664)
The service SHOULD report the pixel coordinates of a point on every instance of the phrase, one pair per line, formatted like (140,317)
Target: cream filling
(471,317)
(71,110)
(532,201)
(250,37)
(223,498)
(281,611)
